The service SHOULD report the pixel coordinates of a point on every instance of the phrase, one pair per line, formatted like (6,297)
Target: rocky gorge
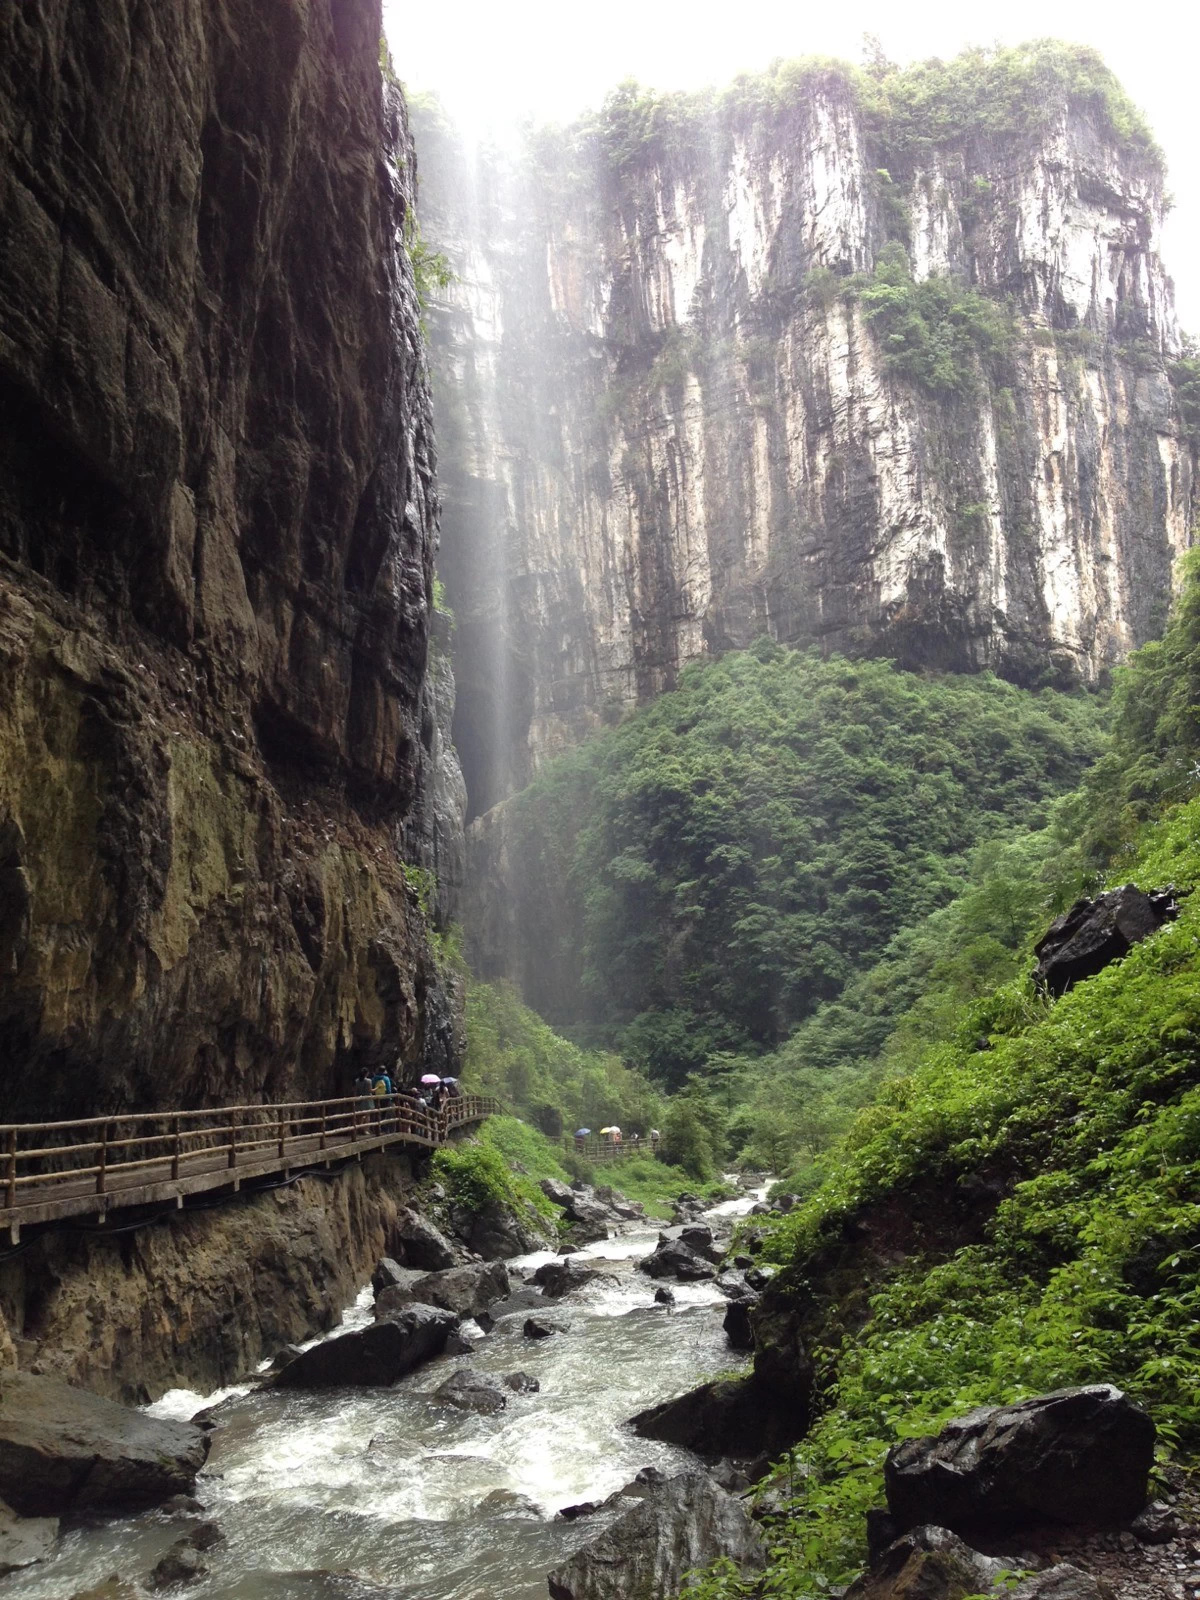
(676,412)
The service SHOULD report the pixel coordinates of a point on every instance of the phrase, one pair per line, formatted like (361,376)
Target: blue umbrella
(582,1133)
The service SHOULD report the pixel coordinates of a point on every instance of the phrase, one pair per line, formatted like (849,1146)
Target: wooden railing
(606,1150)
(96,1161)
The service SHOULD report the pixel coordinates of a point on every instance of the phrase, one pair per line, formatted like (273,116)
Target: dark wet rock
(785,1203)
(507,1503)
(782,1365)
(389,1274)
(674,1259)
(929,1563)
(743,1263)
(557,1278)
(543,1327)
(496,1232)
(521,1383)
(736,1324)
(526,1299)
(1159,1523)
(1075,1456)
(460,1342)
(1093,933)
(24,1541)
(182,1505)
(183,1564)
(760,1208)
(280,1359)
(664,1296)
(63,1449)
(679,1526)
(471,1391)
(114,1588)
(205,1535)
(585,1508)
(211,1417)
(758,1278)
(570,1250)
(699,1237)
(467,1291)
(735,1417)
(373,1356)
(417,1243)
(733,1286)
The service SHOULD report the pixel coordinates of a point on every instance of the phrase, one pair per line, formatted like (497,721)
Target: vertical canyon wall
(218,742)
(674,415)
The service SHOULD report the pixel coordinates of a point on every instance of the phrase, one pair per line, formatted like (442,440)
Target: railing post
(12,1168)
(282,1136)
(103,1161)
(322,1144)
(233,1138)
(177,1147)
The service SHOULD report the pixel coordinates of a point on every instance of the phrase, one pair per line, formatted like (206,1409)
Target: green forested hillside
(727,860)
(1021,1209)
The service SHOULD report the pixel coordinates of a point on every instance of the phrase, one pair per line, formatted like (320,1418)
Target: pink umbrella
(431,1077)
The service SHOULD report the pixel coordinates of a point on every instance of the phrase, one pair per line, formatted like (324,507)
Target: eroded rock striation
(218,741)
(672,420)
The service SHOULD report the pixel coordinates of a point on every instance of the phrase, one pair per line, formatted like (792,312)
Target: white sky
(506,60)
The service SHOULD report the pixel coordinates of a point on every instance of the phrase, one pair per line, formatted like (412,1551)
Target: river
(351,1494)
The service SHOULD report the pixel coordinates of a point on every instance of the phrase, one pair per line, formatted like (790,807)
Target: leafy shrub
(935,333)
(476,1174)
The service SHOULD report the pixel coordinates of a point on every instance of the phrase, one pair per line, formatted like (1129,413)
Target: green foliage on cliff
(1185,380)
(728,858)
(936,333)
(1047,1156)
(480,1172)
(999,92)
(544,1078)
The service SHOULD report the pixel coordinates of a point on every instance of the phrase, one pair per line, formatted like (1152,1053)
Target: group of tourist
(391,1107)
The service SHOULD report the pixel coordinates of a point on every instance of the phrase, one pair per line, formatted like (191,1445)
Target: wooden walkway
(54,1170)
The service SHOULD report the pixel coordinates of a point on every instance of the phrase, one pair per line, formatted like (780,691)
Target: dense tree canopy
(725,861)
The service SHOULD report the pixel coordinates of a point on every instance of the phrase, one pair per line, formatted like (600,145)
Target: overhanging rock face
(217,521)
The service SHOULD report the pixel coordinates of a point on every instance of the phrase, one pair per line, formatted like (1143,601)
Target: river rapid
(351,1494)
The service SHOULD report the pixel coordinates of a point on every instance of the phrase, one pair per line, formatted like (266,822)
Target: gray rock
(467,1291)
(929,1563)
(675,1259)
(737,1325)
(24,1540)
(205,1535)
(543,1327)
(1075,1456)
(506,1503)
(416,1243)
(471,1391)
(372,1356)
(63,1449)
(496,1233)
(679,1526)
(1159,1523)
(736,1417)
(183,1564)
(557,1278)
(1062,1582)
(518,1300)
(664,1296)
(1093,933)
(521,1383)
(698,1236)
(733,1286)
(390,1274)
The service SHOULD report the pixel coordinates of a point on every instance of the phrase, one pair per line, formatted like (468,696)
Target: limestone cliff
(677,408)
(217,523)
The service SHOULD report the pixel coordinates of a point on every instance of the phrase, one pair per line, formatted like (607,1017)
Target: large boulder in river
(737,1325)
(735,1418)
(556,1278)
(1074,1456)
(497,1232)
(588,1215)
(674,1259)
(1093,933)
(680,1525)
(698,1236)
(471,1391)
(65,1450)
(417,1243)
(374,1356)
(390,1274)
(467,1291)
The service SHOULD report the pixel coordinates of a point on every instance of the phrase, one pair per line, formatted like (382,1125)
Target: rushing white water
(356,1493)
